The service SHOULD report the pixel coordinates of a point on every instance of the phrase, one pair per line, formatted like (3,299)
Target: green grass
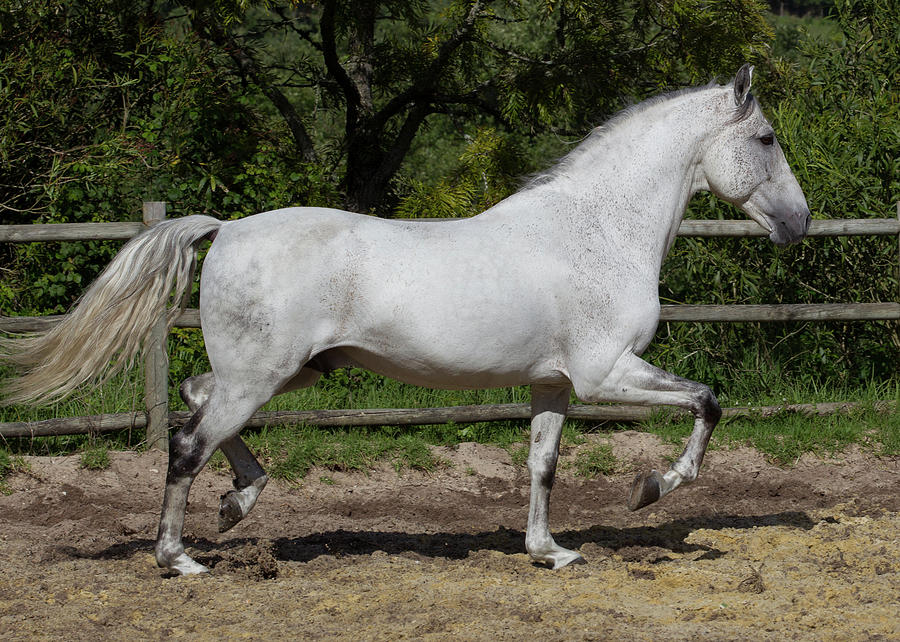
(123,393)
(787,435)
(596,460)
(96,458)
(291,452)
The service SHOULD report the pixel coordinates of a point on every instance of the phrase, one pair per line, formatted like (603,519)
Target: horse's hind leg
(249,481)
(220,418)
(548,411)
(249,476)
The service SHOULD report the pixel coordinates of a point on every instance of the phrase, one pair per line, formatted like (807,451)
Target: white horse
(555,287)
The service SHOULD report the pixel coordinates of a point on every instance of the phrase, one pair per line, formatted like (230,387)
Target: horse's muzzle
(791,228)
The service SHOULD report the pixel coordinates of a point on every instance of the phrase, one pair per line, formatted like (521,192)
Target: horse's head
(744,165)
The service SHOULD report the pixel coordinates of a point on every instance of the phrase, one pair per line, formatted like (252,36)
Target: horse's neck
(633,185)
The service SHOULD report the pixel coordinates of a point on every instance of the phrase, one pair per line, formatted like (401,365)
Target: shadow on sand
(629,542)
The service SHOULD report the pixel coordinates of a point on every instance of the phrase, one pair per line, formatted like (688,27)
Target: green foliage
(374,75)
(187,357)
(95,458)
(560,68)
(108,103)
(787,436)
(105,107)
(487,173)
(837,122)
(874,423)
(122,393)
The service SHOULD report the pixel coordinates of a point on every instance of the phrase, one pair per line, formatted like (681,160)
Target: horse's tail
(113,318)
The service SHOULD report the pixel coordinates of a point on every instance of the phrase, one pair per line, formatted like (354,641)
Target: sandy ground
(750,551)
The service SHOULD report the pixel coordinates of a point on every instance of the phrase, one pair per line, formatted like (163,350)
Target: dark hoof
(229,511)
(644,490)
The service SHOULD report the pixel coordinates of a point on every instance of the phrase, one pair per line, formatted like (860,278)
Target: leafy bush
(837,123)
(105,108)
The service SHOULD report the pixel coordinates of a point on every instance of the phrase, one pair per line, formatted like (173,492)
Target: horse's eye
(768,139)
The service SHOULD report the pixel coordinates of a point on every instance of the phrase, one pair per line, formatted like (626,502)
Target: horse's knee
(186,457)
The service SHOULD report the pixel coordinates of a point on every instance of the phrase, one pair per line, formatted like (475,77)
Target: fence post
(156,366)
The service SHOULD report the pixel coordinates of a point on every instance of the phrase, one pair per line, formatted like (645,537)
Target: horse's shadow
(633,543)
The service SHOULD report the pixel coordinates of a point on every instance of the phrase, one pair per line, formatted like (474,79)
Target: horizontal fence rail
(44,232)
(156,400)
(838,227)
(782,312)
(691,228)
(97,424)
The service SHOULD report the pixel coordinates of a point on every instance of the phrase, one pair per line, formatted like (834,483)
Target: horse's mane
(598,133)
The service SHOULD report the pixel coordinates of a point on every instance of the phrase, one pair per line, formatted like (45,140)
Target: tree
(102,107)
(385,68)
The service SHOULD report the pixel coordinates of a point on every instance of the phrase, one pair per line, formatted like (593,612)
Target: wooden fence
(157,418)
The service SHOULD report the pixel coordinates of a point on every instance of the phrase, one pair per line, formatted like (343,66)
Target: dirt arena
(750,551)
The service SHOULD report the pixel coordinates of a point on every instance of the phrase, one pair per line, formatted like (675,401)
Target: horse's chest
(624,315)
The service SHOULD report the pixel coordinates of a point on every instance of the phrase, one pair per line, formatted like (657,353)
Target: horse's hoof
(230,512)
(571,558)
(645,490)
(184,565)
(556,557)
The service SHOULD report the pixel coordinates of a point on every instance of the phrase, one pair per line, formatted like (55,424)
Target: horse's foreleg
(548,412)
(189,450)
(633,380)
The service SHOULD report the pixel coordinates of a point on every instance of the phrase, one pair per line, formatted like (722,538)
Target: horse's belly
(422,369)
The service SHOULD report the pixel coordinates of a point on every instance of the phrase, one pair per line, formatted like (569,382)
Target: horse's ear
(742,82)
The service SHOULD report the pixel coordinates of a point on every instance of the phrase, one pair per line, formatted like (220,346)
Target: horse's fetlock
(537,545)
(165,556)
(261,481)
(687,471)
